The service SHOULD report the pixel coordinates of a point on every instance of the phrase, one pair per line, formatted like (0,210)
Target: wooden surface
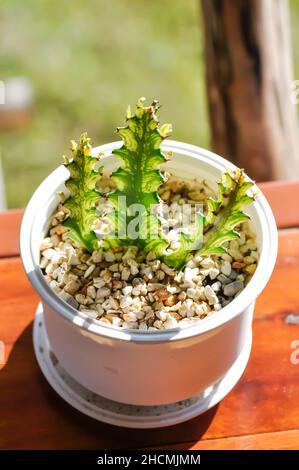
(249,75)
(262,412)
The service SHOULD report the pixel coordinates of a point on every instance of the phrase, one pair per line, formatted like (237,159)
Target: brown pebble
(116,284)
(161,294)
(171,300)
(238,265)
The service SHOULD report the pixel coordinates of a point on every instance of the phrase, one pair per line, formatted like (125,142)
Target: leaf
(138,177)
(84,173)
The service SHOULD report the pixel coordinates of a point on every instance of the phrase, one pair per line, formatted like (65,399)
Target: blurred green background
(87,60)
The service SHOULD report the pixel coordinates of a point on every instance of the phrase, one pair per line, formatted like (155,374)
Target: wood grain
(10,223)
(283,197)
(249,76)
(264,404)
(284,440)
(276,192)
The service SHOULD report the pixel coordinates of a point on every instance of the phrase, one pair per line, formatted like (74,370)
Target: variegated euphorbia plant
(137,180)
(84,173)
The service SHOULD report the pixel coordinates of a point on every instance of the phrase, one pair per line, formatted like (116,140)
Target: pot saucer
(120,414)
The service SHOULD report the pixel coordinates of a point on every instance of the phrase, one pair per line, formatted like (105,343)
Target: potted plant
(134,312)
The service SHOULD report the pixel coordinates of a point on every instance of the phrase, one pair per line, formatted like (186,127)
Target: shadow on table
(34,416)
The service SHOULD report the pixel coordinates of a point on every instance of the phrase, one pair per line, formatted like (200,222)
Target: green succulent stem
(217,226)
(137,180)
(84,172)
(138,177)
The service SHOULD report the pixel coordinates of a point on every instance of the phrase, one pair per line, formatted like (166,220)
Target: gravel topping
(124,288)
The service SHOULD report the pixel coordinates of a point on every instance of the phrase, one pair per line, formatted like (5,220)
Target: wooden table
(262,412)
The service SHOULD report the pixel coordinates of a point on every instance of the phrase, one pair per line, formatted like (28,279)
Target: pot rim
(268,253)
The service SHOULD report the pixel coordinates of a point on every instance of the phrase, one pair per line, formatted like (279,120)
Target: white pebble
(161,315)
(114,268)
(207,263)
(210,295)
(97,256)
(158,324)
(170,323)
(125,274)
(46,243)
(126,301)
(49,253)
(109,257)
(103,292)
(213,273)
(89,271)
(226,268)
(98,282)
(216,286)
(127,290)
(129,317)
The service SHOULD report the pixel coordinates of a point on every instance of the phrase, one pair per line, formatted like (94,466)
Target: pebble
(125,274)
(150,256)
(168,270)
(127,290)
(46,243)
(91,313)
(231,289)
(158,324)
(224,279)
(130,317)
(91,292)
(55,287)
(210,295)
(89,271)
(48,253)
(233,274)
(114,268)
(81,299)
(103,292)
(160,275)
(109,257)
(216,286)
(226,268)
(133,267)
(251,268)
(130,289)
(238,265)
(161,315)
(213,273)
(97,256)
(126,301)
(72,287)
(44,262)
(69,299)
(98,282)
(193,293)
(170,323)
(188,275)
(207,263)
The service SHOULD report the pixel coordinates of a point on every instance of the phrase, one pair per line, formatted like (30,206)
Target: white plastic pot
(140,367)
